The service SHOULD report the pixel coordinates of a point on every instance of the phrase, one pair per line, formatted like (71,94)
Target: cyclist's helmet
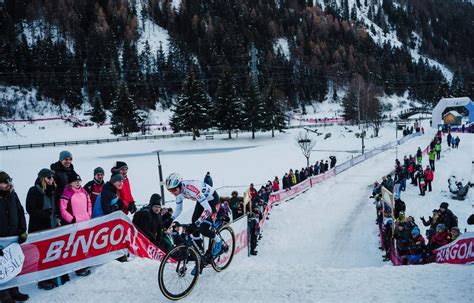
(173,180)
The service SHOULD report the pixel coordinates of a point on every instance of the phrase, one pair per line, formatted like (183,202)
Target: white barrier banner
(11,262)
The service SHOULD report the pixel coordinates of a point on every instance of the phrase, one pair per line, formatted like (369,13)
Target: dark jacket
(109,193)
(60,177)
(12,215)
(93,188)
(41,216)
(149,224)
(448,219)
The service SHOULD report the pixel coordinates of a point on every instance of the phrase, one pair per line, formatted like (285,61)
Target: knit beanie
(115,178)
(119,165)
(3,176)
(64,154)
(155,199)
(99,170)
(45,172)
(73,176)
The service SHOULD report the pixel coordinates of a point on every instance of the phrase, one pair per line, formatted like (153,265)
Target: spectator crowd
(400,233)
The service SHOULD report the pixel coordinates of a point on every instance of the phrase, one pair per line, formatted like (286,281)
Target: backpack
(98,211)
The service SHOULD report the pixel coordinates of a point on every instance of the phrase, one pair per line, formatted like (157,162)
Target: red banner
(62,250)
(460,251)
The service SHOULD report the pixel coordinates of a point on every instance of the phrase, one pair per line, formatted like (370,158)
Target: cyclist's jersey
(197,191)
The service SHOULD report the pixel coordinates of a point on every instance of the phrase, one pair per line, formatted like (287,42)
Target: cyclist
(206,200)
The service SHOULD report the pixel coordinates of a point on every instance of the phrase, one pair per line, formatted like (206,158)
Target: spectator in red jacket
(276,184)
(439,239)
(429,174)
(125,193)
(94,187)
(252,191)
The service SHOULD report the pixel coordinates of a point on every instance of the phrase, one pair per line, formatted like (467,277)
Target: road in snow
(318,247)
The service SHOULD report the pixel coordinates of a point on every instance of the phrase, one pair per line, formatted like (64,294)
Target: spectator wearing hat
(447,217)
(75,206)
(252,191)
(94,187)
(429,174)
(75,203)
(109,197)
(208,179)
(61,170)
(125,193)
(276,184)
(12,223)
(148,219)
(416,247)
(234,203)
(40,202)
(431,222)
(439,239)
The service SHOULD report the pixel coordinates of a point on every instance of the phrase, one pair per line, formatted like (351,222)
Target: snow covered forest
(132,55)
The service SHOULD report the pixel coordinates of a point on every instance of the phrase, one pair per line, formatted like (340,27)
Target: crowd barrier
(286,194)
(52,253)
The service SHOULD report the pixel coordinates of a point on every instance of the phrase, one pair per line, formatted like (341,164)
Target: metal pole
(396,139)
(161,179)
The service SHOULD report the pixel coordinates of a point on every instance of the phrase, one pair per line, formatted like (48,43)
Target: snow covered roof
(454,113)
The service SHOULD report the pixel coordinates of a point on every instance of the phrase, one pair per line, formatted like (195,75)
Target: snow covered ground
(318,247)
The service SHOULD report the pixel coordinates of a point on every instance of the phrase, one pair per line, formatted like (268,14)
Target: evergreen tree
(192,107)
(98,113)
(125,119)
(253,114)
(227,104)
(350,106)
(274,117)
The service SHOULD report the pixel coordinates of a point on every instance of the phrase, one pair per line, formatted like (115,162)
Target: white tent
(437,117)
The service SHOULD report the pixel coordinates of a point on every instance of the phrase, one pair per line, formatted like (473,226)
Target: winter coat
(253,193)
(12,215)
(293,180)
(457,140)
(417,245)
(439,239)
(93,188)
(429,175)
(432,155)
(438,147)
(285,182)
(275,185)
(208,180)
(448,219)
(453,141)
(389,185)
(419,154)
(60,178)
(449,138)
(125,194)
(75,203)
(149,223)
(107,196)
(41,207)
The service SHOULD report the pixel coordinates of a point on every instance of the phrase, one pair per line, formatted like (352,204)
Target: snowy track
(319,247)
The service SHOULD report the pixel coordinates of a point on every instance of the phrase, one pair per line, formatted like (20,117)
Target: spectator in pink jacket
(75,204)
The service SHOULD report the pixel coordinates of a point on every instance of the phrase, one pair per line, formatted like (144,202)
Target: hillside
(68,52)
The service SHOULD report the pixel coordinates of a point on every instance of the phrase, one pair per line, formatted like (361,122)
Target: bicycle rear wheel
(223,260)
(174,276)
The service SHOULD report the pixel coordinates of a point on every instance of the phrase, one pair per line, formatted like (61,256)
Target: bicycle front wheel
(223,260)
(174,276)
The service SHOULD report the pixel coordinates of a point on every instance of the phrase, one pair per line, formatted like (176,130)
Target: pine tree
(274,117)
(192,107)
(125,119)
(253,114)
(98,112)
(350,107)
(228,107)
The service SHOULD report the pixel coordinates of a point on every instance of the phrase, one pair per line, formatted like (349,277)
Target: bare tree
(306,144)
